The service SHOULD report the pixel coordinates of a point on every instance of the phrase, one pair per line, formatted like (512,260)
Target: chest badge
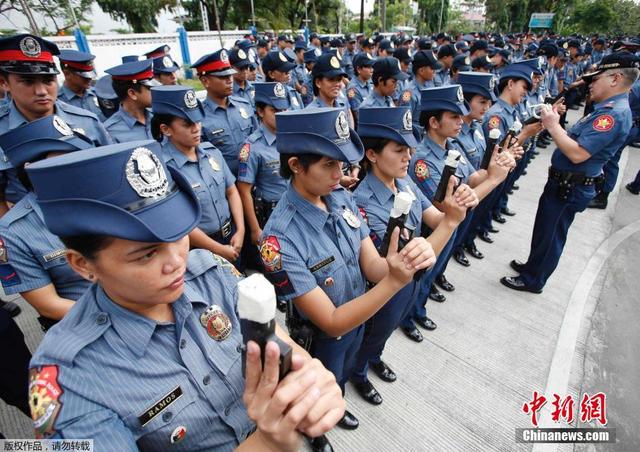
(351,218)
(178,434)
(328,282)
(243,113)
(214,165)
(216,322)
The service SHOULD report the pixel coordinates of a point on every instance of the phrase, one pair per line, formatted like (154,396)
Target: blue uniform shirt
(130,383)
(123,127)
(376,100)
(295,99)
(304,246)
(209,177)
(247,93)
(501,116)
(228,128)
(427,165)
(471,141)
(414,99)
(78,119)
(601,134)
(375,200)
(339,103)
(347,63)
(34,256)
(442,77)
(89,101)
(260,165)
(357,91)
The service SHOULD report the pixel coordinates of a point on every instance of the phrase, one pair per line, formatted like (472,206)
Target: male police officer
(78,71)
(29,73)
(576,164)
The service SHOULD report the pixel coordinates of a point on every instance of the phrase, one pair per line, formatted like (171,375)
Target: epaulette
(76,110)
(199,261)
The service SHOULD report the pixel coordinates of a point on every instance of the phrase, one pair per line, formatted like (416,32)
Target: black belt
(223,233)
(262,204)
(572,178)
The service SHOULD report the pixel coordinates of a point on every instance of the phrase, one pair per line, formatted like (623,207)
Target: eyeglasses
(595,79)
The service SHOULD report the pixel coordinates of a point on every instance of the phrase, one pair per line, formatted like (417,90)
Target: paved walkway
(464,386)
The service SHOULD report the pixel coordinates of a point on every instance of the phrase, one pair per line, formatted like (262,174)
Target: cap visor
(150,82)
(88,74)
(353,150)
(280,104)
(400,76)
(223,73)
(182,206)
(286,67)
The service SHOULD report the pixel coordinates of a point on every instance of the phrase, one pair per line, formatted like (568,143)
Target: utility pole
(440,18)
(383,13)
(361,16)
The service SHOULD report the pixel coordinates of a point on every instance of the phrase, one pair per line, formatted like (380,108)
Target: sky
(102,23)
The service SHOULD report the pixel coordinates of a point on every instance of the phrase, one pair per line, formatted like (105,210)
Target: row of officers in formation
(129,234)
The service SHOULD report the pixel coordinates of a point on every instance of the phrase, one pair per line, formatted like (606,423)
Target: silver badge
(166,62)
(318,52)
(145,174)
(252,59)
(492,83)
(166,49)
(95,101)
(79,130)
(540,62)
(282,57)
(460,95)
(467,61)
(342,126)
(294,102)
(351,218)
(30,47)
(190,99)
(61,126)
(224,57)
(241,54)
(407,120)
(278,90)
(399,67)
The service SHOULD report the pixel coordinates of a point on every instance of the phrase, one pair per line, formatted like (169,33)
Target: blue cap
(518,70)
(176,100)
(245,44)
(388,67)
(107,97)
(311,56)
(164,64)
(272,93)
(79,62)
(363,59)
(300,45)
(130,58)
(328,65)
(535,64)
(478,83)
(290,54)
(447,98)
(216,63)
(158,52)
(239,59)
(387,122)
(462,46)
(31,140)
(323,131)
(136,72)
(461,63)
(28,54)
(122,190)
(276,61)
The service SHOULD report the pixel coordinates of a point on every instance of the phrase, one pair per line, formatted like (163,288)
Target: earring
(91,276)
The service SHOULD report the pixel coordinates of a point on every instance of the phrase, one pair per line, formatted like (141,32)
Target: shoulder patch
(8,276)
(228,266)
(494,122)
(44,399)
(270,254)
(351,93)
(421,170)
(244,153)
(406,96)
(363,213)
(603,123)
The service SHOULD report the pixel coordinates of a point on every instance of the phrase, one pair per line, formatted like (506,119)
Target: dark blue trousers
(338,354)
(612,169)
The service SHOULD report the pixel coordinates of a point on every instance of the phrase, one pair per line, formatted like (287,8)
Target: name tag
(322,263)
(54,255)
(196,185)
(217,131)
(159,406)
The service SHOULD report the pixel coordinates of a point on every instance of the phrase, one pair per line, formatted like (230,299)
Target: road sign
(541,20)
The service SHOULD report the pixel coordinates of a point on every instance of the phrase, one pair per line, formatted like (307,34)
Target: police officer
(277,68)
(575,165)
(242,87)
(299,73)
(228,119)
(316,248)
(349,54)
(132,83)
(387,73)
(310,59)
(387,135)
(424,68)
(33,261)
(165,70)
(79,71)
(461,63)
(327,76)
(177,369)
(107,97)
(29,72)
(259,181)
(360,86)
(177,124)
(446,54)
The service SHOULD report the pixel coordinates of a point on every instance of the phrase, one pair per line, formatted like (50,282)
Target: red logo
(603,123)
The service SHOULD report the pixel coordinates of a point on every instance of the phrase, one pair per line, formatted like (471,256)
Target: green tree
(58,13)
(141,15)
(594,17)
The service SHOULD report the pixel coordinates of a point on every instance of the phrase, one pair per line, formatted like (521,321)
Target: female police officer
(316,248)
(387,134)
(177,115)
(142,361)
(32,259)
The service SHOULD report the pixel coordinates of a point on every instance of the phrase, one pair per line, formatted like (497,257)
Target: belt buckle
(226,229)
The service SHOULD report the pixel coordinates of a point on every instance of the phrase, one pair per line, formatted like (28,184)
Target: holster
(301,331)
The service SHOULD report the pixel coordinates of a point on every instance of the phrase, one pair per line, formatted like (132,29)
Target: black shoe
(12,308)
(473,251)
(508,212)
(632,189)
(517,265)
(542,144)
(635,145)
(460,258)
(368,392)
(413,333)
(281,305)
(498,218)
(515,283)
(510,191)
(535,153)
(524,173)
(441,281)
(436,295)
(426,323)
(348,421)
(573,107)
(485,237)
(600,201)
(516,187)
(383,371)
(320,444)
(492,229)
